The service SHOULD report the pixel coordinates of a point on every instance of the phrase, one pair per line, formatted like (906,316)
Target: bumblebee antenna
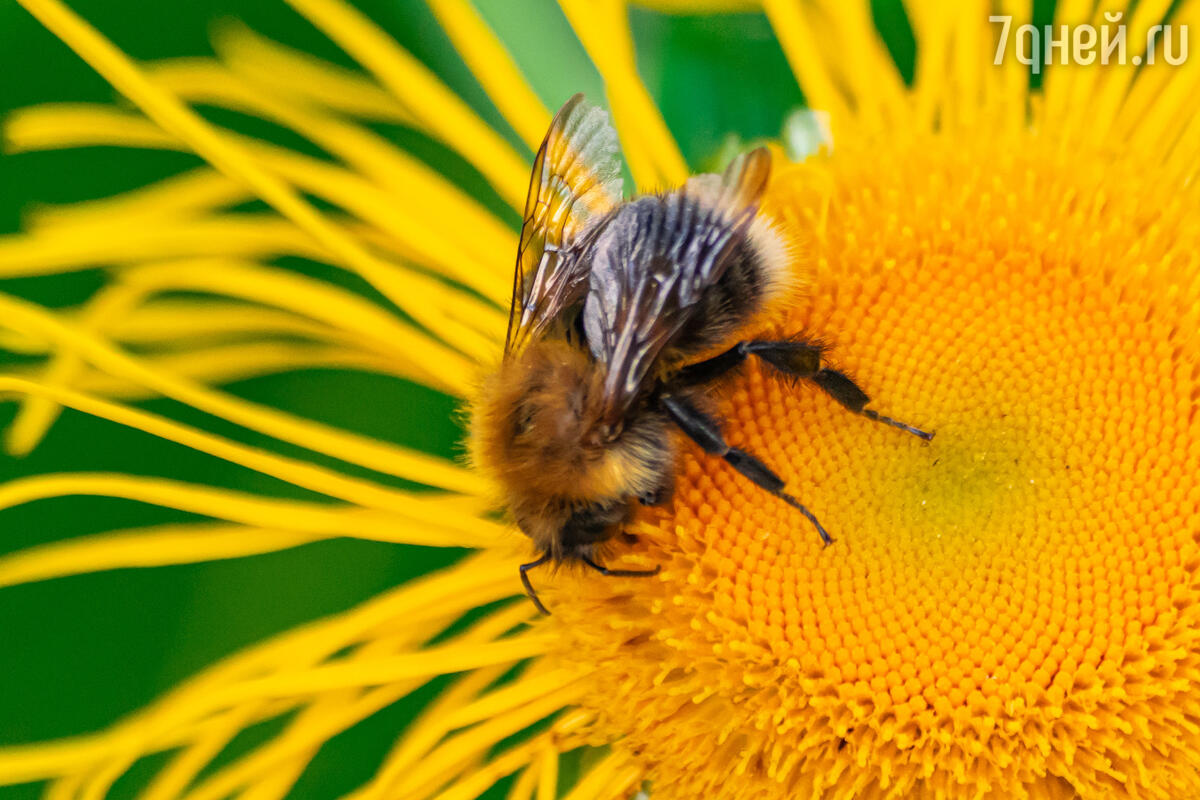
(524,569)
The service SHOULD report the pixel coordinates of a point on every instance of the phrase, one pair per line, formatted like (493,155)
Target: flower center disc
(1008,610)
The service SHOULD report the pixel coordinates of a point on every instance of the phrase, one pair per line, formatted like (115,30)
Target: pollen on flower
(1008,611)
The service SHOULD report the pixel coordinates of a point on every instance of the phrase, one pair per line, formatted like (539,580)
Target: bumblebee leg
(709,370)
(706,432)
(845,391)
(621,573)
(524,569)
(794,358)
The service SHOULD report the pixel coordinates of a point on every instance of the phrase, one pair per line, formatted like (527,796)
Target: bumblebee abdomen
(749,282)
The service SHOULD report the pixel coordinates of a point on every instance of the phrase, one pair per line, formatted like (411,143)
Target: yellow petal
(795,35)
(422,297)
(182,195)
(602,27)
(69,249)
(306,433)
(37,413)
(340,309)
(442,113)
(448,758)
(435,660)
(460,530)
(324,520)
(147,547)
(494,68)
(303,76)
(266,758)
(222,364)
(425,731)
(174,116)
(612,778)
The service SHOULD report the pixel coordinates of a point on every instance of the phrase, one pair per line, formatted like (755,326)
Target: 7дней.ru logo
(1087,43)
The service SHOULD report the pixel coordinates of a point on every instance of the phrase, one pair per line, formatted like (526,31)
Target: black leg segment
(621,573)
(706,432)
(794,358)
(524,568)
(846,392)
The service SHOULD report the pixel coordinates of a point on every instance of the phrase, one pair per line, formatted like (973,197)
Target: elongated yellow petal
(275,784)
(174,116)
(448,759)
(189,323)
(37,413)
(253,510)
(472,321)
(425,732)
(698,6)
(522,788)
(461,530)
(423,736)
(420,607)
(174,779)
(1012,75)
(265,759)
(437,108)
(1110,92)
(870,72)
(303,76)
(424,299)
(426,604)
(494,68)
(932,82)
(27,763)
(1158,123)
(70,121)
(613,777)
(547,774)
(279,783)
(480,780)
(510,697)
(148,547)
(795,36)
(222,364)
(182,195)
(326,715)
(329,304)
(602,27)
(340,444)
(438,660)
(223,342)
(417,191)
(1065,84)
(68,249)
(472,326)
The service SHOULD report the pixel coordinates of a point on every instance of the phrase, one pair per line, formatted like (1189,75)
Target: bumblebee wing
(576,180)
(651,265)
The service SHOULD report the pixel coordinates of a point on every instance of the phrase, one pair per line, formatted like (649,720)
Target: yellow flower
(1010,611)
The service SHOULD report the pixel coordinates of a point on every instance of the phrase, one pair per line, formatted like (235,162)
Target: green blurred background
(78,653)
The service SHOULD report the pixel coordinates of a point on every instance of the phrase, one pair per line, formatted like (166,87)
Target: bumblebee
(613,302)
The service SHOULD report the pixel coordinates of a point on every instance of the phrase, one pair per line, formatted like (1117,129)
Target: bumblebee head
(537,430)
(537,415)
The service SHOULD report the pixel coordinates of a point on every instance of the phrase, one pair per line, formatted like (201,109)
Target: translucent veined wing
(651,264)
(576,180)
